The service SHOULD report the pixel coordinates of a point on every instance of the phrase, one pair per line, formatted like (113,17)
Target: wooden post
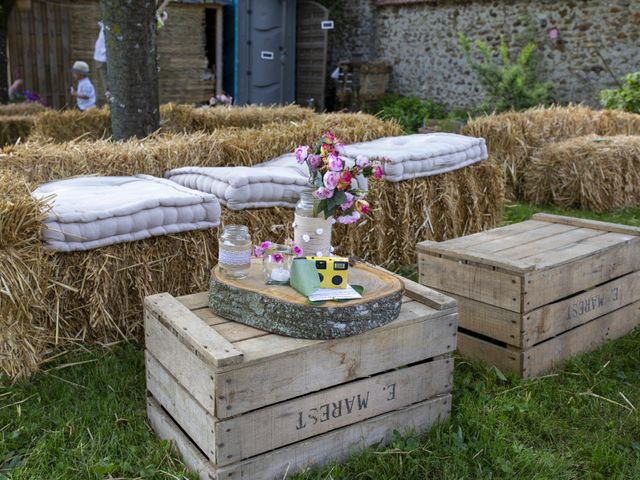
(219,41)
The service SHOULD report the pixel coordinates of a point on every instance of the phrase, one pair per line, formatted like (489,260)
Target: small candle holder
(276,264)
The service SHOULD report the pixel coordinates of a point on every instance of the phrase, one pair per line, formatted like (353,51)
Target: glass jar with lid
(311,231)
(234,251)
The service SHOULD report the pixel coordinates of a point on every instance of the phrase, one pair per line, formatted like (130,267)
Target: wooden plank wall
(38,50)
(45,41)
(311,54)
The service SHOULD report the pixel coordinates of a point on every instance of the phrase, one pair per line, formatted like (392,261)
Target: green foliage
(508,84)
(411,112)
(627,97)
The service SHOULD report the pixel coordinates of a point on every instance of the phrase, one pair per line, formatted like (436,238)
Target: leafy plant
(627,97)
(508,84)
(410,112)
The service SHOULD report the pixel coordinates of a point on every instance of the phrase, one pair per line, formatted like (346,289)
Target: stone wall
(418,38)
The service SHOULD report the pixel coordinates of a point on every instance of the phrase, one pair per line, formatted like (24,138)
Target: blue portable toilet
(264,46)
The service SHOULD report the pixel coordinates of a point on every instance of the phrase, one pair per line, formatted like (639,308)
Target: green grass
(83,417)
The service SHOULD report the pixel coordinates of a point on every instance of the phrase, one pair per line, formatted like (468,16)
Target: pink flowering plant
(276,251)
(334,179)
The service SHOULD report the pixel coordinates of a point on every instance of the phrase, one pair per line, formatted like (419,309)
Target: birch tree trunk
(132,67)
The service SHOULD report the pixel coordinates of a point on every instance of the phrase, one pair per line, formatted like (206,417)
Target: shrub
(627,97)
(410,112)
(509,84)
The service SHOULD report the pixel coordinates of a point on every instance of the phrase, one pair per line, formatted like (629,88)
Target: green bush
(508,84)
(627,97)
(410,112)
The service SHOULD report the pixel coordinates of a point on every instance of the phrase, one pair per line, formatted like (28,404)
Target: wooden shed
(46,37)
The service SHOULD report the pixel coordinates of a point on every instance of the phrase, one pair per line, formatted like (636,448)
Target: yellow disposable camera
(333,271)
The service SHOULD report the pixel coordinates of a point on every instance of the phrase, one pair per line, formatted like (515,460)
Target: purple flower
(314,161)
(297,251)
(340,149)
(335,163)
(362,161)
(257,251)
(265,245)
(347,219)
(277,257)
(348,203)
(330,180)
(323,193)
(302,153)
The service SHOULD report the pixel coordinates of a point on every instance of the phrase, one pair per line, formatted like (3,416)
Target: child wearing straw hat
(84,94)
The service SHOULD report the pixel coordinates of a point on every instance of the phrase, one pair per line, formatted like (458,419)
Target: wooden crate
(240,403)
(537,292)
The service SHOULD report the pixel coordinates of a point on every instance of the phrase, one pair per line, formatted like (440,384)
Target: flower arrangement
(334,179)
(274,250)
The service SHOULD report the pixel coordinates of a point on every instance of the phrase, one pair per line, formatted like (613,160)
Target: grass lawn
(83,417)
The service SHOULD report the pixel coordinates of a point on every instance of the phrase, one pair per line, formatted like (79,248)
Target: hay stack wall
(592,172)
(181,50)
(513,137)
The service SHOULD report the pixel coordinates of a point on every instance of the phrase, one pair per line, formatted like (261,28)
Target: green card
(304,276)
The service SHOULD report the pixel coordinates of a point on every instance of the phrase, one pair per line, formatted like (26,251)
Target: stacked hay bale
(17,121)
(25,275)
(513,137)
(591,172)
(21,109)
(95,124)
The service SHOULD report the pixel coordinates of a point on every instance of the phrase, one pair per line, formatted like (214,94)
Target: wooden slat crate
(537,292)
(241,403)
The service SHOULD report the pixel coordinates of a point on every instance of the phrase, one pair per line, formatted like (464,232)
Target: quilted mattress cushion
(421,155)
(93,212)
(239,188)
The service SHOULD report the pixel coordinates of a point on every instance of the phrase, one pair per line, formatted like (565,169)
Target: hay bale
(437,208)
(25,273)
(601,174)
(92,124)
(14,128)
(20,109)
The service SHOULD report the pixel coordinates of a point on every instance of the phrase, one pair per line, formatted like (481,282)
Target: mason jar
(234,251)
(311,231)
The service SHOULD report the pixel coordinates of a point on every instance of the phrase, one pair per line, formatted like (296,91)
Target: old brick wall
(419,38)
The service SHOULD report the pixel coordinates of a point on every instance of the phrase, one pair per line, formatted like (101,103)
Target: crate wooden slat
(234,398)
(534,293)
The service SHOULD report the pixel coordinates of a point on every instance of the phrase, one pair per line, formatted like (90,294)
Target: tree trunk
(132,67)
(5,10)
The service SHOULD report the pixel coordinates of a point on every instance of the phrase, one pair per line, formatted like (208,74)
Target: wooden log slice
(282,310)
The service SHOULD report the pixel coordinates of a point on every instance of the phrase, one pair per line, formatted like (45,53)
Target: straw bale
(64,126)
(25,271)
(437,208)
(601,174)
(14,128)
(20,109)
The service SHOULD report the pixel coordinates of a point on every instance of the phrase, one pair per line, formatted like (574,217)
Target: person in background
(100,59)
(85,94)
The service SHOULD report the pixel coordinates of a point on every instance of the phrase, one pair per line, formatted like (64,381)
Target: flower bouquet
(333,178)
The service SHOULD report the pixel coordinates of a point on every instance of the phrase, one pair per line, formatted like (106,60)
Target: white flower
(332,249)
(306,237)
(293,225)
(319,231)
(318,253)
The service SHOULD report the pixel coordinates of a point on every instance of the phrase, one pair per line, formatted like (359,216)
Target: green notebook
(304,276)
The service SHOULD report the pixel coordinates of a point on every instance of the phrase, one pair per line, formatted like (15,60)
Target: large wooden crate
(537,292)
(240,403)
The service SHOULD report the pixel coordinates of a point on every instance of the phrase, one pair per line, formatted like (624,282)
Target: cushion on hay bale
(238,188)
(422,155)
(93,212)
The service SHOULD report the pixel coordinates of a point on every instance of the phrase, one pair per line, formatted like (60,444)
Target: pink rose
(362,206)
(340,149)
(362,161)
(302,153)
(323,193)
(345,180)
(314,161)
(335,163)
(348,202)
(377,172)
(330,180)
(329,136)
(347,219)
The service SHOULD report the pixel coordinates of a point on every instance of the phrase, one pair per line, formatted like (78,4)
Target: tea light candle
(280,275)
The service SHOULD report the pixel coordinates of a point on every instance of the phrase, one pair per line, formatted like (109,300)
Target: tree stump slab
(284,311)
